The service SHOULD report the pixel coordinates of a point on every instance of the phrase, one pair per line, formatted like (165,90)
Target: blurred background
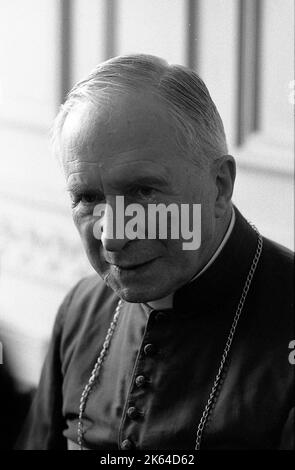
(243,49)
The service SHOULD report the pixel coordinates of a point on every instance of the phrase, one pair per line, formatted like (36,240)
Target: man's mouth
(129,266)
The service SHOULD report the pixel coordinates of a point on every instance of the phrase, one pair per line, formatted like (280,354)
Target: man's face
(127,147)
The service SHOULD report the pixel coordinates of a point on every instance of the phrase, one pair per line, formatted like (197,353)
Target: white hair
(197,122)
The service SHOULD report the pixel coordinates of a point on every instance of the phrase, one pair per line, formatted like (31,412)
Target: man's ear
(224,174)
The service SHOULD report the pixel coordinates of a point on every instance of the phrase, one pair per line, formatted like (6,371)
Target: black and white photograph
(147,228)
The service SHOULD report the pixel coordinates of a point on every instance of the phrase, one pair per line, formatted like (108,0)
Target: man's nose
(112,244)
(110,230)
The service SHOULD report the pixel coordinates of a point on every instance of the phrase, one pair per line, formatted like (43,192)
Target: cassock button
(126,444)
(140,380)
(149,349)
(133,412)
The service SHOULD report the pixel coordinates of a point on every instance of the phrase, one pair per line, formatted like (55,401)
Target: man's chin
(140,294)
(142,284)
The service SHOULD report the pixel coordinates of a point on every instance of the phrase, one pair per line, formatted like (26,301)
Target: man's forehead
(117,142)
(121,176)
(130,170)
(120,171)
(121,121)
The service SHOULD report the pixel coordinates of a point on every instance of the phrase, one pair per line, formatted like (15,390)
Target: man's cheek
(93,250)
(85,227)
(91,245)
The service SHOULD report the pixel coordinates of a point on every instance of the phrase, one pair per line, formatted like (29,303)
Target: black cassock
(14,406)
(161,365)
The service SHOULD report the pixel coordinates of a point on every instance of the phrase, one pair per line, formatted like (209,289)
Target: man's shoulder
(89,301)
(275,275)
(278,257)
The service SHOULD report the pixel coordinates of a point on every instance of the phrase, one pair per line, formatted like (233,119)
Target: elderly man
(167,347)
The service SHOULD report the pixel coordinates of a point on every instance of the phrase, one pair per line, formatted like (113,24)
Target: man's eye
(143,191)
(86,199)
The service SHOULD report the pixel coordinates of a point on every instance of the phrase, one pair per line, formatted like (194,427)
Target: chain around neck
(209,405)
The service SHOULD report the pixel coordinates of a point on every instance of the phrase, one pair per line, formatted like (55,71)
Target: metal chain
(96,369)
(229,340)
(95,372)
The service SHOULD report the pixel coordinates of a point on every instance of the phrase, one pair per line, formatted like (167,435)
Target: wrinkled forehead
(119,122)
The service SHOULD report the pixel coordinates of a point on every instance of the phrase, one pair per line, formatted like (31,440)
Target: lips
(129,267)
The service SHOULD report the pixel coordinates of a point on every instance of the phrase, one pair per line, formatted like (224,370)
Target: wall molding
(270,154)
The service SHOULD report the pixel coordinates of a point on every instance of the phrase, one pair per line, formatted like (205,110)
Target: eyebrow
(76,188)
(148,180)
(141,179)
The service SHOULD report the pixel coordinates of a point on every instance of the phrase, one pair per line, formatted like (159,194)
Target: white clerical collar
(167,302)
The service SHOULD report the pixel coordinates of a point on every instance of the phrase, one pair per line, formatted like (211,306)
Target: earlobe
(225,174)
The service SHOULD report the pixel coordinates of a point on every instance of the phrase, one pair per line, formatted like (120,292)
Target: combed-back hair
(199,128)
